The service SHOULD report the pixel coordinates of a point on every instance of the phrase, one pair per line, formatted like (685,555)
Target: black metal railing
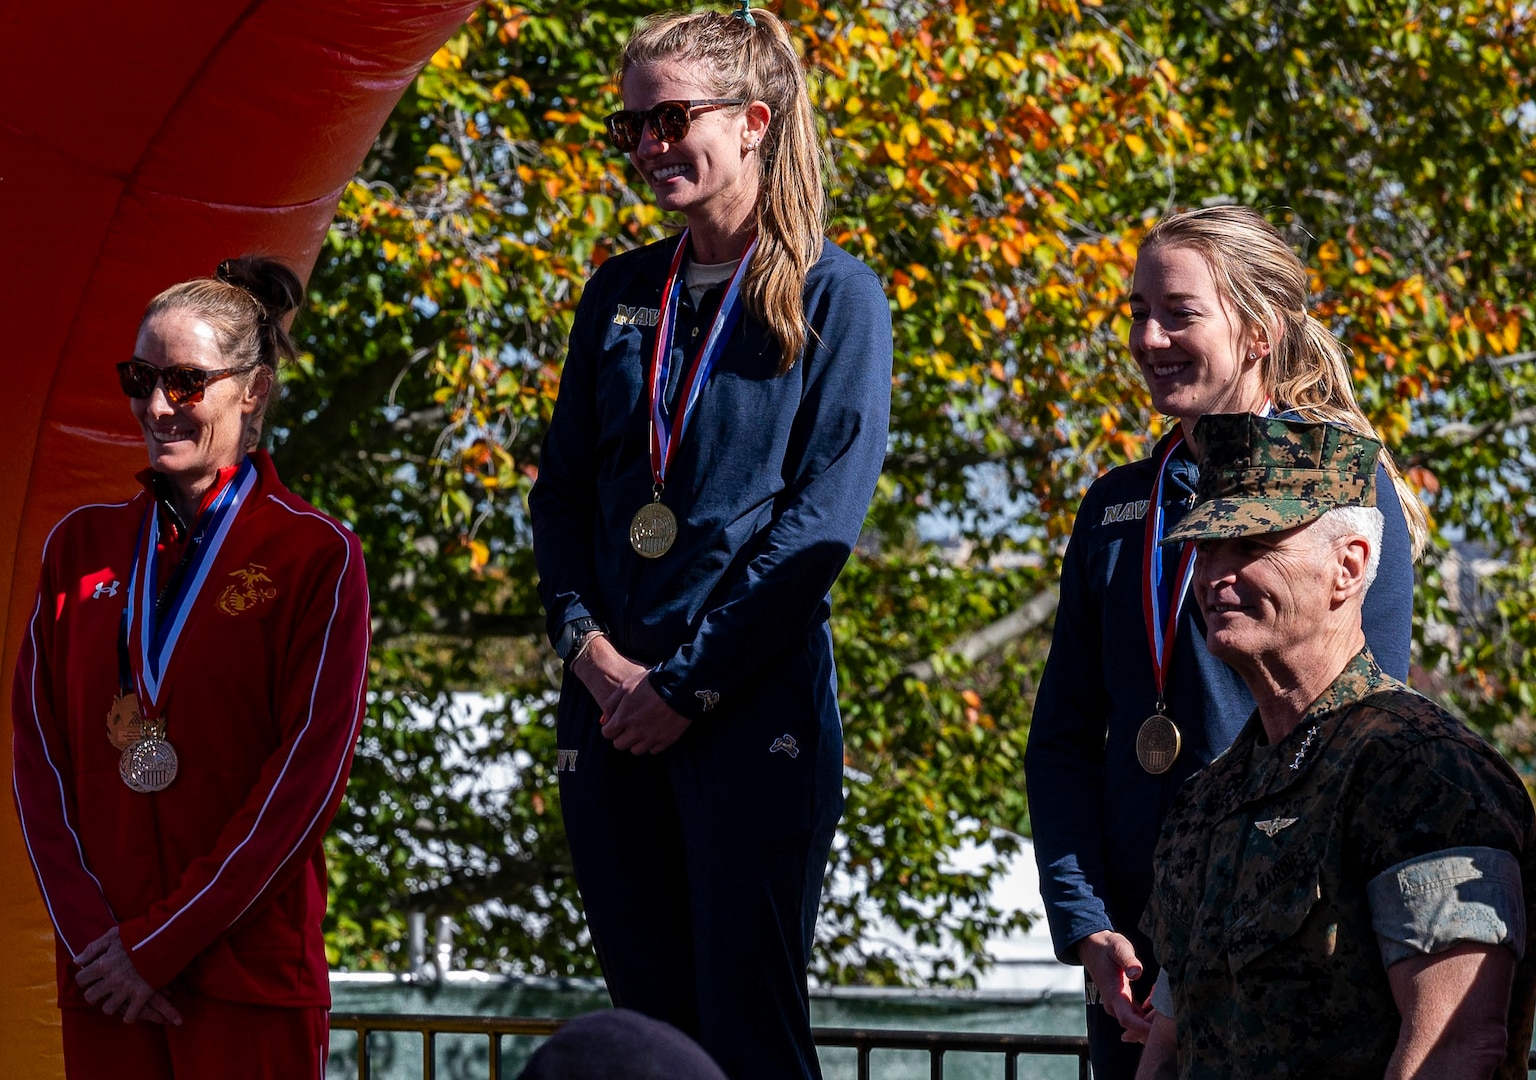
(939,1043)
(863,1041)
(429,1027)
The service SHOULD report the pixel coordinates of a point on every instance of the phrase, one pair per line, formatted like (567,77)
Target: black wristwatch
(570,637)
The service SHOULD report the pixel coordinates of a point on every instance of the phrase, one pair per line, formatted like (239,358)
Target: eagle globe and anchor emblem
(252,589)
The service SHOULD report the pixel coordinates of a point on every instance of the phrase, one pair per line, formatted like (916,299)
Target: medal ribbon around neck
(152,643)
(667,431)
(1163,630)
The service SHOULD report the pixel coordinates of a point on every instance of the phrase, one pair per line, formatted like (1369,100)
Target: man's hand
(1111,962)
(643,723)
(1160,1059)
(109,979)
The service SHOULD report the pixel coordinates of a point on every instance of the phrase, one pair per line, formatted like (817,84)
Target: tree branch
(923,461)
(991,639)
(474,625)
(452,896)
(1512,359)
(1452,436)
(310,446)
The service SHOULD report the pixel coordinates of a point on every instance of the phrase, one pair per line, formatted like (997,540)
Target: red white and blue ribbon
(152,641)
(1163,627)
(667,431)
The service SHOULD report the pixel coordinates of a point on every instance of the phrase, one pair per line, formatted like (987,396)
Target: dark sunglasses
(669,121)
(183,385)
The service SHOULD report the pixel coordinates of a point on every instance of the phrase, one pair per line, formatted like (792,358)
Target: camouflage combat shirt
(1259,908)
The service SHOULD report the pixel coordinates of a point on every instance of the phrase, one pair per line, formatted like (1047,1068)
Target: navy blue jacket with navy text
(769,485)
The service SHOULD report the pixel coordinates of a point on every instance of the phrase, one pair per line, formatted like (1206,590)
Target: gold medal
(150,763)
(123,726)
(1158,744)
(653,530)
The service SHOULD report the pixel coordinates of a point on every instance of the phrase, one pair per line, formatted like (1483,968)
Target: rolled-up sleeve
(1456,896)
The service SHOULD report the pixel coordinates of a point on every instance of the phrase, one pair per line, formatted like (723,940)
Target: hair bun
(271,283)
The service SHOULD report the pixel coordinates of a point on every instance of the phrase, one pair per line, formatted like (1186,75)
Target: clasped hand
(1112,965)
(109,979)
(635,718)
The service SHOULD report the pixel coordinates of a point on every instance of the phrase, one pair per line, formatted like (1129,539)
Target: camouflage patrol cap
(1259,474)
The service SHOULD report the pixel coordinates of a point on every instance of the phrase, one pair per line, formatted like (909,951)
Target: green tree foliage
(996,165)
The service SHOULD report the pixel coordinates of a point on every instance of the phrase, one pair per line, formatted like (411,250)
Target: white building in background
(1024,965)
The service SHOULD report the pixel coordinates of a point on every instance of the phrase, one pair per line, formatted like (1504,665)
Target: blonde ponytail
(1320,388)
(1306,369)
(757,61)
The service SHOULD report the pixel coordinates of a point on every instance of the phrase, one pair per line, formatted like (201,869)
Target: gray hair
(1363,521)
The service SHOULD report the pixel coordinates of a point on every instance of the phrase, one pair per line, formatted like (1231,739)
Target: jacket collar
(158,484)
(1299,753)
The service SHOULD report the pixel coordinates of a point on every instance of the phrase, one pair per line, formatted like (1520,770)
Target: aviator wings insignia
(1274,825)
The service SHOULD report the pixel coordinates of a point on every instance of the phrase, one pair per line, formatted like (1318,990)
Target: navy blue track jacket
(770,484)
(1094,811)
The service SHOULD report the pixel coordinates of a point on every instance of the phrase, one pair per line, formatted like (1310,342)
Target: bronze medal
(1158,744)
(653,530)
(1158,741)
(123,726)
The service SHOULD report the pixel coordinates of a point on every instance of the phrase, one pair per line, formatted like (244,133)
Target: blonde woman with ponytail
(720,427)
(1131,703)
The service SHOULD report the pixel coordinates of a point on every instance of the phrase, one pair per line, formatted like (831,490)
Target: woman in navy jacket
(1131,703)
(721,423)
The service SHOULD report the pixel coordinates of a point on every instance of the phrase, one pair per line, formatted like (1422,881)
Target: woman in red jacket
(185,707)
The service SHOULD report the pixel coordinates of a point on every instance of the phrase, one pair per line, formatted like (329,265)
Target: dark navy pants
(700,868)
(1112,1058)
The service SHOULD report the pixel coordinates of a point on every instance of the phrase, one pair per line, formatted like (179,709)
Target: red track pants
(216,1040)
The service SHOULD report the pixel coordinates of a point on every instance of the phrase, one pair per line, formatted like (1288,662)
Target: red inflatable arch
(140,144)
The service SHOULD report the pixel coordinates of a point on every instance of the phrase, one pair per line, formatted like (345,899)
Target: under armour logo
(1274,825)
(785,743)
(565,761)
(105,588)
(708,697)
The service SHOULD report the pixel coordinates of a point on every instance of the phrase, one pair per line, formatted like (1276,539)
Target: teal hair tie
(744,13)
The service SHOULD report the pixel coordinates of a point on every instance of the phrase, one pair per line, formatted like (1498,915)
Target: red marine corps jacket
(217,882)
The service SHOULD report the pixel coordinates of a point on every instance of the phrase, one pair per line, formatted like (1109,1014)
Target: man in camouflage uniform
(1346,892)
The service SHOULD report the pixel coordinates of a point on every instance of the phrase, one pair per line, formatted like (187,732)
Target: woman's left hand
(109,978)
(643,723)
